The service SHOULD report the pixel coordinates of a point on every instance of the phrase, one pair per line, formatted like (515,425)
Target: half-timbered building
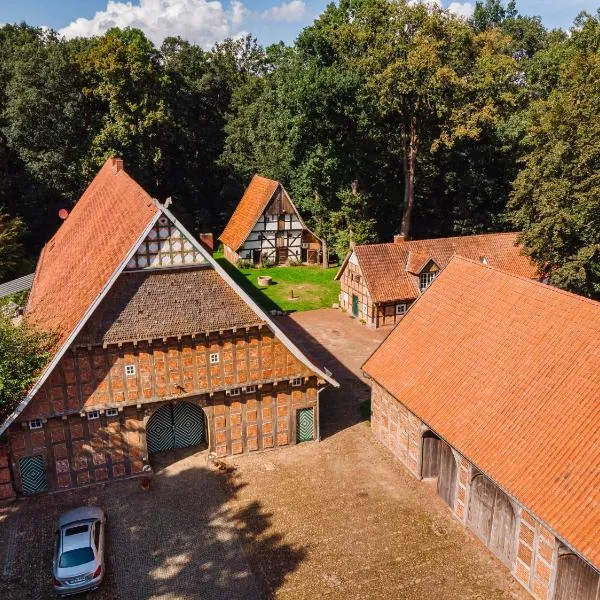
(266,228)
(378,282)
(490,387)
(157,348)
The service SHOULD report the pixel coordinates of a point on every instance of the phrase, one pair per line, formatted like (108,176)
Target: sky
(208,21)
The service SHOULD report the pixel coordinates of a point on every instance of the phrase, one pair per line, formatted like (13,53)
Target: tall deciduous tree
(556,196)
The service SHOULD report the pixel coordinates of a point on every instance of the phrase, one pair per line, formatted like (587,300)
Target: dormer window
(425,279)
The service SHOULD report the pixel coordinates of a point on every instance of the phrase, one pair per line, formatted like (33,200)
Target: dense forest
(383,117)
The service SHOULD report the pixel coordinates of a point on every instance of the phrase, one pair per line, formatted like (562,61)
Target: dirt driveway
(336,519)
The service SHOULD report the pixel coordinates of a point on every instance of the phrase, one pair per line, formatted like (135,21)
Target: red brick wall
(396,428)
(77,451)
(536,556)
(95,378)
(230,255)
(7,490)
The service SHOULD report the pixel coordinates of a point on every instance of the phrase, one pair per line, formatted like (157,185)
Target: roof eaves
(259,311)
(88,313)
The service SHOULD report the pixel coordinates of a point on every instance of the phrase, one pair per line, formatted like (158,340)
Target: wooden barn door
(446,483)
(492,518)
(430,456)
(575,580)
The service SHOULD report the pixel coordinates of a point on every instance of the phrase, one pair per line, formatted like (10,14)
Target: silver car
(79,551)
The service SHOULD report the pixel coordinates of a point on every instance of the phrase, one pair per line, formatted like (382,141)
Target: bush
(23,353)
(244,263)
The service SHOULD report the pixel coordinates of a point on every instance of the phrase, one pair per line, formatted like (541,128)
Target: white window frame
(234,392)
(129,370)
(425,279)
(214,358)
(297,382)
(36,424)
(112,412)
(365,308)
(250,389)
(92,415)
(401,309)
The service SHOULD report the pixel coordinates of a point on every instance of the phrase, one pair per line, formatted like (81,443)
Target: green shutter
(33,474)
(304,425)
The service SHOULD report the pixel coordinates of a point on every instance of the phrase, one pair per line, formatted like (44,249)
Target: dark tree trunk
(409,163)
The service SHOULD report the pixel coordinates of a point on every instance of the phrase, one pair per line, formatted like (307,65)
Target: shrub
(23,353)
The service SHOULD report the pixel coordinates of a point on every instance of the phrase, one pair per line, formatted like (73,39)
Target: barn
(157,348)
(490,387)
(267,229)
(378,282)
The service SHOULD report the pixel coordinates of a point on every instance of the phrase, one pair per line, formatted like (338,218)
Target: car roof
(84,513)
(77,540)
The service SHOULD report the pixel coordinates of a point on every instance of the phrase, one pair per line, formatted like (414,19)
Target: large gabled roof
(107,221)
(507,370)
(391,270)
(250,207)
(82,262)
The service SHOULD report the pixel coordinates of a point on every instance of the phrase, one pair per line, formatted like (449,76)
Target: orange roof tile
(507,370)
(250,207)
(391,270)
(90,245)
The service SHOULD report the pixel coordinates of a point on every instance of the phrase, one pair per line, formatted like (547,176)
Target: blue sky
(206,21)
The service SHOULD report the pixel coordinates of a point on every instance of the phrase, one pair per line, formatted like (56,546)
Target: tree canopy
(384,116)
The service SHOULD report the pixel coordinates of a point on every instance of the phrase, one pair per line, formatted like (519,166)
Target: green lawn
(292,288)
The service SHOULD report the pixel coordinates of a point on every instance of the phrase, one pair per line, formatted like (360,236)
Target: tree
(23,353)
(11,248)
(556,195)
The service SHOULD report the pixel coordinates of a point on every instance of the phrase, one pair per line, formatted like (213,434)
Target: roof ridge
(542,285)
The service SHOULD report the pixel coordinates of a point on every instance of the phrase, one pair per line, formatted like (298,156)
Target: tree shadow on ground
(186,538)
(339,408)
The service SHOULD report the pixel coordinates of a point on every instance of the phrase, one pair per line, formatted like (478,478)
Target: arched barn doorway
(575,580)
(175,425)
(437,460)
(492,518)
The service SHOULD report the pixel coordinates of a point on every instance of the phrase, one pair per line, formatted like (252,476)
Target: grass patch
(293,288)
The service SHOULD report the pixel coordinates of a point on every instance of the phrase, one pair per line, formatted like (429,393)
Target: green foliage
(23,353)
(11,249)
(556,197)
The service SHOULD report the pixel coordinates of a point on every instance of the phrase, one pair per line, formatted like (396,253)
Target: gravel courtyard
(336,519)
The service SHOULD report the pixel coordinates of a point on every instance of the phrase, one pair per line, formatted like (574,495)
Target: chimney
(398,238)
(117,164)
(206,239)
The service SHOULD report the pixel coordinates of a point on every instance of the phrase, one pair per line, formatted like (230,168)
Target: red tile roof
(507,370)
(250,207)
(391,270)
(88,248)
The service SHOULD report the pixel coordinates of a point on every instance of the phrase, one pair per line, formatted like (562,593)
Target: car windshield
(74,558)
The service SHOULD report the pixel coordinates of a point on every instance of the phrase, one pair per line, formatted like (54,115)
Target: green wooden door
(304,425)
(175,425)
(355,305)
(33,474)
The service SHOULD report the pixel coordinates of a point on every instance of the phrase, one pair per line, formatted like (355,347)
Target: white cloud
(462,9)
(286,11)
(201,21)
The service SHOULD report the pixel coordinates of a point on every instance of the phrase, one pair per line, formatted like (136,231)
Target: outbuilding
(267,229)
(490,386)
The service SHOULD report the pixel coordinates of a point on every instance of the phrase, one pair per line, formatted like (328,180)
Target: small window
(35,424)
(250,389)
(76,530)
(234,392)
(426,279)
(357,278)
(112,412)
(365,308)
(93,414)
(400,309)
(297,382)
(129,369)
(214,358)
